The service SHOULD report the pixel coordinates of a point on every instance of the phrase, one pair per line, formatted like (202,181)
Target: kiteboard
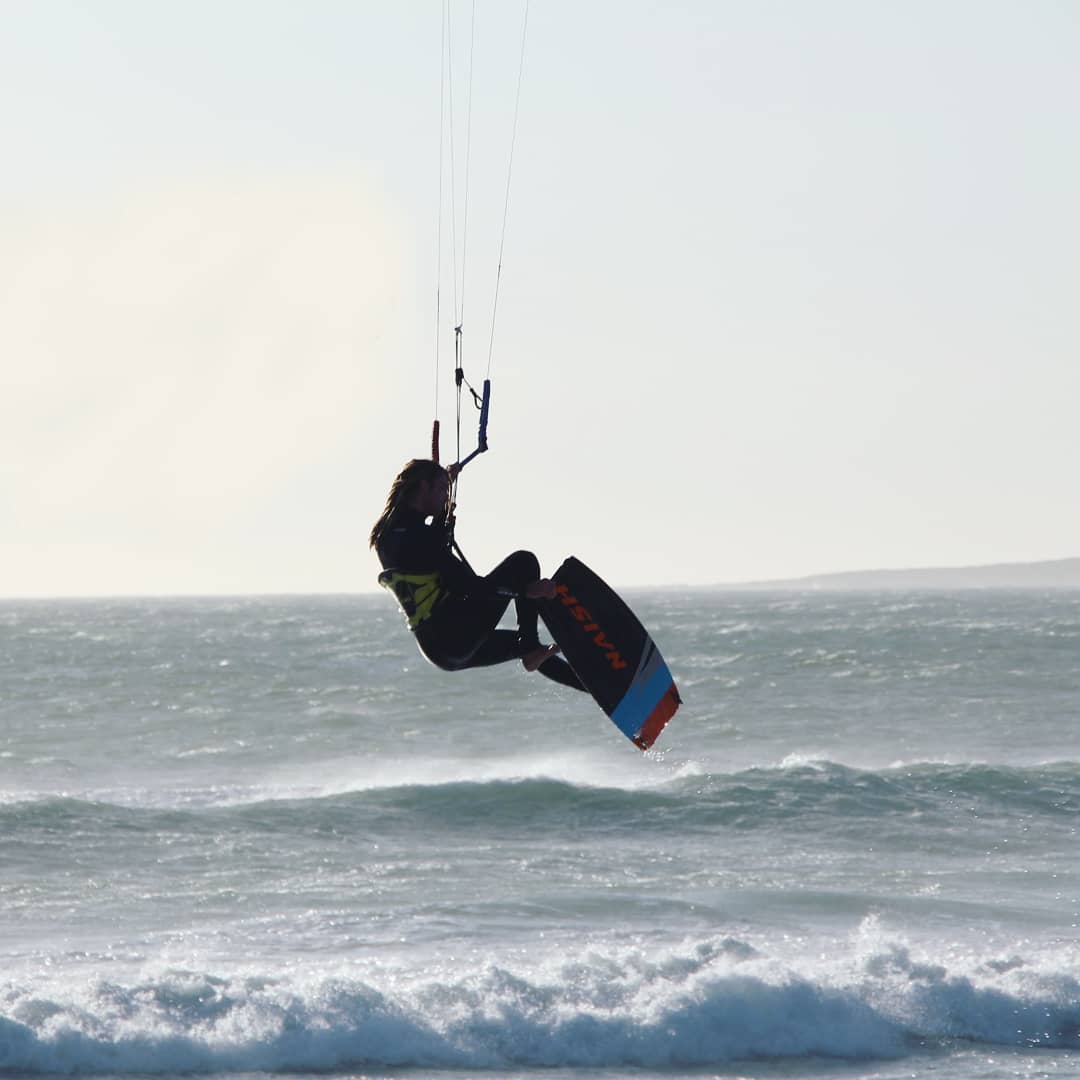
(611,653)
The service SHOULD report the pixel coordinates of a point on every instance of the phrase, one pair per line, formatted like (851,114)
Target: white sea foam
(705,1004)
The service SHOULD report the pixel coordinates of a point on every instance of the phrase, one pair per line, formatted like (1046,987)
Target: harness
(417,594)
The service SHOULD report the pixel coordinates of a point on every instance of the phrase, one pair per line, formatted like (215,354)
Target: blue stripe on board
(639,701)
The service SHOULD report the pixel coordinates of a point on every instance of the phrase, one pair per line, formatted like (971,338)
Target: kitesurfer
(453,611)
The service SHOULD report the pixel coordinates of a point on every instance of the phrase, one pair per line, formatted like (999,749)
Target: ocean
(262,837)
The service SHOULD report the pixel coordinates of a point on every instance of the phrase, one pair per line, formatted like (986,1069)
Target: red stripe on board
(658,718)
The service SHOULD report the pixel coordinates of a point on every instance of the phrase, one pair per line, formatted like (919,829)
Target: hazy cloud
(180,350)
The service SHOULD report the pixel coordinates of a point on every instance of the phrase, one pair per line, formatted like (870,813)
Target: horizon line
(802,582)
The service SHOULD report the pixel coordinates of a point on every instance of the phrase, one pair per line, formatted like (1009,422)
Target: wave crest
(706,1004)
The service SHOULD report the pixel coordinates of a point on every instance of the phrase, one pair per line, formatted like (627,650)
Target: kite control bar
(484,403)
(481,436)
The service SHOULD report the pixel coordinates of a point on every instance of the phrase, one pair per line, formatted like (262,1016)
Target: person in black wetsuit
(453,611)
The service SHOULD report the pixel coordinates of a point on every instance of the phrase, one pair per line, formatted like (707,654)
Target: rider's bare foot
(532,660)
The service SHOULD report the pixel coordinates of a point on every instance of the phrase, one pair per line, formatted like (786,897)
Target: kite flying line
(448,194)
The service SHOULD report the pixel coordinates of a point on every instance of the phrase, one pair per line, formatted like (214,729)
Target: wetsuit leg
(463,627)
(465,633)
(517,571)
(558,670)
(498,647)
(514,573)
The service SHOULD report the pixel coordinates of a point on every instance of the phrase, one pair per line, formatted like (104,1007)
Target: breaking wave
(708,1003)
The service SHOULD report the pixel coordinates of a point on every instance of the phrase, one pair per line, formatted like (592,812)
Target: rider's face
(433,494)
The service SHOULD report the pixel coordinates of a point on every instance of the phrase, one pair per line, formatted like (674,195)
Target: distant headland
(1050,574)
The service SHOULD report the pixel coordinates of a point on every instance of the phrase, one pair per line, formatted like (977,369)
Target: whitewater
(261,836)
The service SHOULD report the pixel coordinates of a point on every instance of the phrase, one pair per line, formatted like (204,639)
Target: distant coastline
(1049,574)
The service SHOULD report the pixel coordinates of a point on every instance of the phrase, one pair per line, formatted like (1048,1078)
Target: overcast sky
(788,287)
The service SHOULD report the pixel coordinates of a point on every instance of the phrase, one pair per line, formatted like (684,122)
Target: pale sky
(789,287)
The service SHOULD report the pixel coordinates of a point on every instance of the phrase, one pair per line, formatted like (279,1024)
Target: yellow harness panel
(416,594)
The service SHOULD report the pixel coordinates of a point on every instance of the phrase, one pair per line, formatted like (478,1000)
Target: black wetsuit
(460,626)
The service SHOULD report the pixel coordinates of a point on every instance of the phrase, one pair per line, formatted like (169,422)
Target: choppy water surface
(263,836)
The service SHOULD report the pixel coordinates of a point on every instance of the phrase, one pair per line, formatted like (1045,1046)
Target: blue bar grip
(481,439)
(485,405)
